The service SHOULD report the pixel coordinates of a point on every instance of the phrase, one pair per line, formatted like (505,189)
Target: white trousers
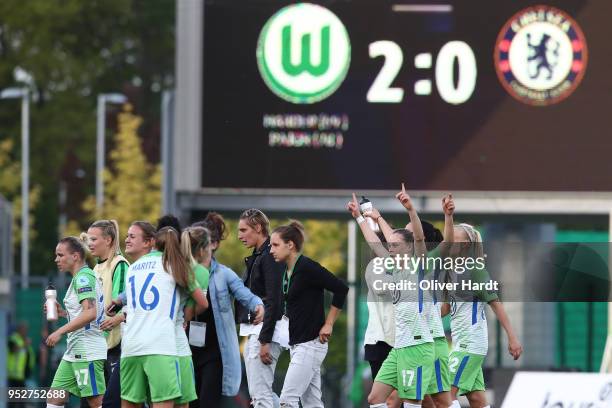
(303,379)
(259,375)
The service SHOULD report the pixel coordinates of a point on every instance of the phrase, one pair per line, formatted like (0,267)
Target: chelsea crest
(540,55)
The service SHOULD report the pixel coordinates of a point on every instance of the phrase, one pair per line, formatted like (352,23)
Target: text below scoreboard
(457,95)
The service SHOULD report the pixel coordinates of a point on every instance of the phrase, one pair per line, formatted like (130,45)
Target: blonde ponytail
(116,245)
(186,246)
(109,228)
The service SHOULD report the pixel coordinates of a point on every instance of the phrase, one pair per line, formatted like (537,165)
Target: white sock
(381,405)
(409,405)
(54,406)
(456,404)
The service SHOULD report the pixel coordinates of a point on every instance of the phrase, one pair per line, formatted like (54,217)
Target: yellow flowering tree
(132,185)
(10,188)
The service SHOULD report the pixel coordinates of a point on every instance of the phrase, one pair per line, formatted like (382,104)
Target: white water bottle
(51,296)
(366,207)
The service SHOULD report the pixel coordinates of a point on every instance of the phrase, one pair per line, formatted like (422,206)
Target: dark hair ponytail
(294,232)
(215,224)
(169,220)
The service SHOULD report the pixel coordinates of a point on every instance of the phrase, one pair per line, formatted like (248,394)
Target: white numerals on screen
(466,81)
(452,90)
(381,90)
(407,373)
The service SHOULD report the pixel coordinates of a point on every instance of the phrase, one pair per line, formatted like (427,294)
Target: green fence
(582,327)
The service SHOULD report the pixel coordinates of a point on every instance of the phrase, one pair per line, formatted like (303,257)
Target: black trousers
(208,376)
(112,396)
(375,354)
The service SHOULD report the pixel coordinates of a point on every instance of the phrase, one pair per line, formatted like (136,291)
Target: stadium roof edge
(332,202)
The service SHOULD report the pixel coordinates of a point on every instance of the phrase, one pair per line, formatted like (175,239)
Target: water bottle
(366,207)
(51,296)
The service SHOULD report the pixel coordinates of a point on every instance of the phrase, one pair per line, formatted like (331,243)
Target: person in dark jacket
(304,283)
(264,278)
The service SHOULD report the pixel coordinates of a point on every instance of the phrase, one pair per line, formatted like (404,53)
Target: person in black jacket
(264,278)
(304,283)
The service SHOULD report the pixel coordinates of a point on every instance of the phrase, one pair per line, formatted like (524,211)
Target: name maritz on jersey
(143,265)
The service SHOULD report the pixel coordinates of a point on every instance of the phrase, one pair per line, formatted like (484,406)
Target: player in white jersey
(439,387)
(81,371)
(469,327)
(409,365)
(139,241)
(195,241)
(149,365)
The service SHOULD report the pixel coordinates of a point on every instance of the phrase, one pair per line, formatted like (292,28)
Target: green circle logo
(303,53)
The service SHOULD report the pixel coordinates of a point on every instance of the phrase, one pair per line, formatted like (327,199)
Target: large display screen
(455,95)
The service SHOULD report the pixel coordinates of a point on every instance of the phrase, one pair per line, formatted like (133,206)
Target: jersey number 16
(141,297)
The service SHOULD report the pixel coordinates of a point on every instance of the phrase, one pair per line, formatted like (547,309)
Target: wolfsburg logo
(303,53)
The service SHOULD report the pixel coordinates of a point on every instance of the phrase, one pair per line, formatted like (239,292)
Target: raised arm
(369,235)
(448,206)
(385,228)
(417,228)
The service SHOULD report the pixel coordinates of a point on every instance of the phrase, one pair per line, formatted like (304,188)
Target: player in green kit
(469,326)
(409,365)
(149,364)
(439,395)
(195,245)
(81,371)
(438,392)
(201,252)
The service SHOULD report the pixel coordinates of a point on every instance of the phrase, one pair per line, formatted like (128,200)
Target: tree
(325,242)
(132,185)
(73,50)
(10,187)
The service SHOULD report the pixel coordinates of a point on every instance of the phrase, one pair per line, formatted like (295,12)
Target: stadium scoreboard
(457,95)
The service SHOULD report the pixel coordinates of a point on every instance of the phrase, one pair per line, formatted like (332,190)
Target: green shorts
(154,376)
(81,378)
(408,370)
(187,380)
(466,371)
(440,380)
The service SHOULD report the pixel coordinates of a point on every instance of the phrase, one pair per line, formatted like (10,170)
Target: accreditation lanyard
(287,282)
